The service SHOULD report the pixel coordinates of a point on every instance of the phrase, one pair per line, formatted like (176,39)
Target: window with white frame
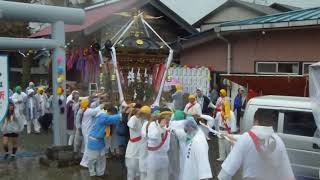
(277,67)
(305,67)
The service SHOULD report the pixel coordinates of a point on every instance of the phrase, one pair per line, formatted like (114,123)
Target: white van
(295,124)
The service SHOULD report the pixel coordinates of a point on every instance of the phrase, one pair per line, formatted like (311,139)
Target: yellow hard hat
(165,113)
(84,103)
(178,87)
(40,89)
(145,109)
(192,97)
(223,92)
(60,90)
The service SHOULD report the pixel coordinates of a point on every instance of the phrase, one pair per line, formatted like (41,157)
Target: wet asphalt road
(27,167)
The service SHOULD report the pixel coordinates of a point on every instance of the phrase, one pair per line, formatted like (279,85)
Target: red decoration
(159,77)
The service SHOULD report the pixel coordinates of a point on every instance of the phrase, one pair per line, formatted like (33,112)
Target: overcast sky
(299,3)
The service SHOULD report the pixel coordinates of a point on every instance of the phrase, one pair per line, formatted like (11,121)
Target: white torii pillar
(57,16)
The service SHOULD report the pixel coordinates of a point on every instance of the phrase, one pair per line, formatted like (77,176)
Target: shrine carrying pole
(57,16)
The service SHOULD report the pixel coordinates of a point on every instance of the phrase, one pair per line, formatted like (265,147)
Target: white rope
(101,57)
(217,133)
(121,29)
(115,66)
(124,32)
(148,25)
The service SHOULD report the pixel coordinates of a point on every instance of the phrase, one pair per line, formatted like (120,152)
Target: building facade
(268,54)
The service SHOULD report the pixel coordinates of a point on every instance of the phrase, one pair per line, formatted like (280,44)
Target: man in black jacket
(205,103)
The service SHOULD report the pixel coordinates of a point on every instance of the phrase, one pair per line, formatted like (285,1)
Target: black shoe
(6,156)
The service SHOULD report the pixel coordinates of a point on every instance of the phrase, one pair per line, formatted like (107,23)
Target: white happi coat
(265,165)
(231,123)
(19,101)
(143,153)
(134,149)
(177,128)
(194,110)
(197,165)
(157,161)
(224,145)
(86,124)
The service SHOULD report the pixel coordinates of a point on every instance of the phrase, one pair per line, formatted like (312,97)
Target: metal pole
(59,119)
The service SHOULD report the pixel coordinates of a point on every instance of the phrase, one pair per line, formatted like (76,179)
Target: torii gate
(57,16)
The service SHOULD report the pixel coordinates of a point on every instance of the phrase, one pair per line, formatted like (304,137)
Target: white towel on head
(30,91)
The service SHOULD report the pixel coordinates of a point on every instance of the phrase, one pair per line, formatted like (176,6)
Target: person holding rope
(96,142)
(157,135)
(177,145)
(196,165)
(260,152)
(225,122)
(136,147)
(87,116)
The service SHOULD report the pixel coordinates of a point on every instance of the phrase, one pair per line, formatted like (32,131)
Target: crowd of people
(158,143)
(30,108)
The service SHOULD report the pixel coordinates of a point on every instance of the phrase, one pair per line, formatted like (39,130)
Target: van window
(274,117)
(299,123)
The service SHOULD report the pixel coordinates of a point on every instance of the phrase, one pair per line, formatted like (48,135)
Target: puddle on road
(27,167)
(30,169)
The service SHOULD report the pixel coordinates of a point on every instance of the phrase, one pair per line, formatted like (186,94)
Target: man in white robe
(225,123)
(193,107)
(135,144)
(32,112)
(136,152)
(197,165)
(260,152)
(42,101)
(158,144)
(177,145)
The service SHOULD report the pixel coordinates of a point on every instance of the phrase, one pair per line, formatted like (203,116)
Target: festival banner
(4,87)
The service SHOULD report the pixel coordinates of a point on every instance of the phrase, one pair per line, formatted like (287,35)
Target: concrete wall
(228,14)
(248,47)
